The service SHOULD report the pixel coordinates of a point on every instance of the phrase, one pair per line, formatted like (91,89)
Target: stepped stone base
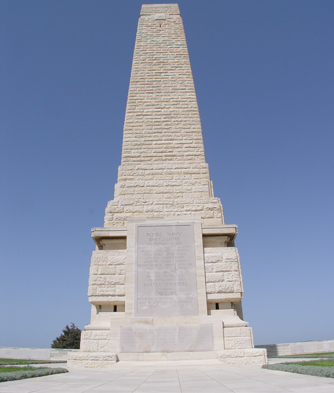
(223,336)
(237,357)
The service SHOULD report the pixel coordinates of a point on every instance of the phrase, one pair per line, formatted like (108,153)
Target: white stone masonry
(165,279)
(163,170)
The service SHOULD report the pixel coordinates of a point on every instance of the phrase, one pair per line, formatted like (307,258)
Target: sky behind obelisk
(263,72)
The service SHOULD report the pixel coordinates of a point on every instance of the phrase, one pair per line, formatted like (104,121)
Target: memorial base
(167,356)
(168,339)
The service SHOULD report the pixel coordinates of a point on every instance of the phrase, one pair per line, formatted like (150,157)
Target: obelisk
(165,279)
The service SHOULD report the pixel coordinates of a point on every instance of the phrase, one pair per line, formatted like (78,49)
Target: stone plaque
(166,339)
(165,271)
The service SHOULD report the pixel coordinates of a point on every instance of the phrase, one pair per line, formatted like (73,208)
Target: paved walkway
(169,377)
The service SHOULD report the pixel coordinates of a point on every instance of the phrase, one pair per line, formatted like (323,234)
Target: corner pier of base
(165,280)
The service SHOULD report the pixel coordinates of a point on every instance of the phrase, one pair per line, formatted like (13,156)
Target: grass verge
(28,361)
(306,368)
(308,355)
(17,373)
(317,363)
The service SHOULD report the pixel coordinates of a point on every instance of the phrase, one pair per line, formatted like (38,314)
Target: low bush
(13,369)
(317,371)
(32,373)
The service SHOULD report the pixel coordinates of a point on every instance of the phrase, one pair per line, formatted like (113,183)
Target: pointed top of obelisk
(163,172)
(149,9)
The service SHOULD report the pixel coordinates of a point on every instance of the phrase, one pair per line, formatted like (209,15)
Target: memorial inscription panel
(165,271)
(166,339)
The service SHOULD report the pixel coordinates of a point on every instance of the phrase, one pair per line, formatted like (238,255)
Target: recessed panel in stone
(165,271)
(166,339)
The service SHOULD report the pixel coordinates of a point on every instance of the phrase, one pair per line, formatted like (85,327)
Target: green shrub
(70,338)
(37,372)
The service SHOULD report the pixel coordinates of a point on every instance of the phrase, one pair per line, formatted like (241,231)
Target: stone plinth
(165,279)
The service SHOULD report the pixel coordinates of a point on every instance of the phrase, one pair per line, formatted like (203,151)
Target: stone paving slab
(172,377)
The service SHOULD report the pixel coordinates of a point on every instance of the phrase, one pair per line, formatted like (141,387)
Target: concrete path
(169,377)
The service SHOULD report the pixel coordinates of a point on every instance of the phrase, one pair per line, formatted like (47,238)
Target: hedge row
(308,370)
(38,372)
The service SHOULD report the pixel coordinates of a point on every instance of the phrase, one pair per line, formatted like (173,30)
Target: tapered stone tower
(165,279)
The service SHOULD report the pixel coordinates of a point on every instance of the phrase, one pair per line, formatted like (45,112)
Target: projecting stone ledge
(238,357)
(101,235)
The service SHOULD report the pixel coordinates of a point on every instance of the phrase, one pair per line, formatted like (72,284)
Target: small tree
(70,338)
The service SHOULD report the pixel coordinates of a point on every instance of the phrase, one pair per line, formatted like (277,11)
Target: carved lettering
(165,269)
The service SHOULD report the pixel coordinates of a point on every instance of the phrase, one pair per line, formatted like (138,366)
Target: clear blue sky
(263,72)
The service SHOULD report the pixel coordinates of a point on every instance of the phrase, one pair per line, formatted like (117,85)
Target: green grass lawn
(318,363)
(309,355)
(27,361)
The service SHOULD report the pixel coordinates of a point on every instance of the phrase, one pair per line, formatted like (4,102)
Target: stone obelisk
(165,279)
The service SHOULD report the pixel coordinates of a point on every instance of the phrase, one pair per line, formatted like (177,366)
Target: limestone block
(102,290)
(89,346)
(209,268)
(91,360)
(224,267)
(104,345)
(232,276)
(120,290)
(243,342)
(106,270)
(120,270)
(210,288)
(212,258)
(92,290)
(242,357)
(86,335)
(107,279)
(224,288)
(238,287)
(117,259)
(214,277)
(99,258)
(93,270)
(99,335)
(255,352)
(73,363)
(237,332)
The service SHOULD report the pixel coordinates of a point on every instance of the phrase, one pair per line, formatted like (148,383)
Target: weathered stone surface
(166,339)
(91,360)
(243,357)
(165,271)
